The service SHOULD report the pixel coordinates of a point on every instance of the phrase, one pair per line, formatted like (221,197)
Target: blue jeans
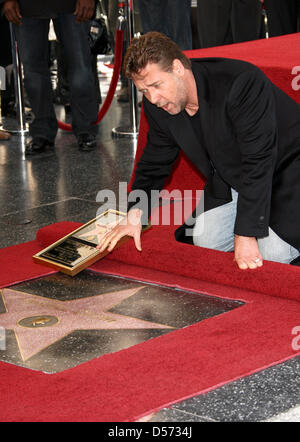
(171,17)
(214,230)
(32,39)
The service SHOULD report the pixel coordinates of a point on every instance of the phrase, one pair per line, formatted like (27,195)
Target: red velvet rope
(113,83)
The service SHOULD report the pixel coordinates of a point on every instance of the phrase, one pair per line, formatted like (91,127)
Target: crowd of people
(219,22)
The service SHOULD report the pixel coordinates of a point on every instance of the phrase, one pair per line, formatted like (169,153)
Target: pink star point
(91,313)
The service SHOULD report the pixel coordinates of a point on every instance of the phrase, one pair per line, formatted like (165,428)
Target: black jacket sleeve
(251,108)
(155,164)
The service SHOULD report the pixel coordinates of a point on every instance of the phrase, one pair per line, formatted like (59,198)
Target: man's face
(164,89)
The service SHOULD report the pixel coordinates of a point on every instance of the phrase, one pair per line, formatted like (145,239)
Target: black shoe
(86,142)
(37,145)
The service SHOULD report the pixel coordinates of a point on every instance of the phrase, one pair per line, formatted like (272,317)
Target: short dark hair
(153,47)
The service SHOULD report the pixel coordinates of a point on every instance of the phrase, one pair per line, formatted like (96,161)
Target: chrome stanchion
(266,23)
(126,20)
(22,127)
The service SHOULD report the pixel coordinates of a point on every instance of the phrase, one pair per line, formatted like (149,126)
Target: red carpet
(134,382)
(129,384)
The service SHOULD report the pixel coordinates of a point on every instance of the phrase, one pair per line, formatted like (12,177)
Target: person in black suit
(239,129)
(171,17)
(30,20)
(283,16)
(5,61)
(223,22)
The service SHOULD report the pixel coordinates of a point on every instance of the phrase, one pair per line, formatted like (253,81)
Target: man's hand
(84,10)
(246,252)
(11,11)
(130,226)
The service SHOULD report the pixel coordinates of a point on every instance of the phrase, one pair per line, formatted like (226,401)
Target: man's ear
(178,67)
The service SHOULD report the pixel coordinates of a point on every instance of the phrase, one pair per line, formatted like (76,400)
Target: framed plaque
(77,250)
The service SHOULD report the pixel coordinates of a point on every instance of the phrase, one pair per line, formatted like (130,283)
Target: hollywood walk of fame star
(89,313)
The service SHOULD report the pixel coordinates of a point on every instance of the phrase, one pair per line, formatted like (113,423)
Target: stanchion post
(126,20)
(133,95)
(18,83)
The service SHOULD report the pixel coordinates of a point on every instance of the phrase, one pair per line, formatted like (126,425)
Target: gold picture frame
(77,250)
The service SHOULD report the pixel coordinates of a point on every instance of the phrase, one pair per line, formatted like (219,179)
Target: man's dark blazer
(250,141)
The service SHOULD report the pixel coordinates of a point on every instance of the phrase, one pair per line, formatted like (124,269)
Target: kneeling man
(243,134)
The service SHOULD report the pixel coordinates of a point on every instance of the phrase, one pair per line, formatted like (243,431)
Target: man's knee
(284,255)
(273,248)
(211,235)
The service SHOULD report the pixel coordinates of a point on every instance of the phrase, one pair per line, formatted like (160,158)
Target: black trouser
(32,37)
(7,92)
(283,16)
(228,21)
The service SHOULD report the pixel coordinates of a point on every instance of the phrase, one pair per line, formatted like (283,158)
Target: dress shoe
(86,142)
(37,145)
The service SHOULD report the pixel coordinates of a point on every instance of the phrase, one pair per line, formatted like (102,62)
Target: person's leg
(112,16)
(179,23)
(32,38)
(5,51)
(214,229)
(273,248)
(213,22)
(246,20)
(282,16)
(62,88)
(74,39)
(153,15)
